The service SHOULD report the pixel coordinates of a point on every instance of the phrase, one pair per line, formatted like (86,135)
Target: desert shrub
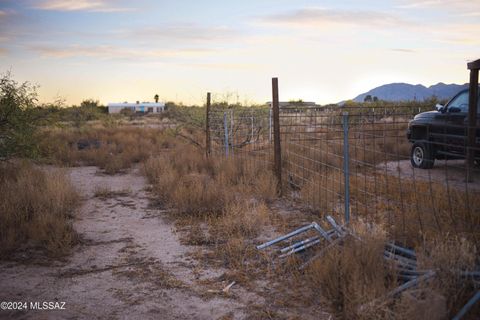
(36,208)
(265,186)
(351,276)
(79,116)
(199,194)
(240,219)
(161,174)
(448,256)
(232,233)
(235,253)
(18,118)
(419,304)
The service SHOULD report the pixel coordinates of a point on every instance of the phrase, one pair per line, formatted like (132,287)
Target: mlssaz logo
(47,305)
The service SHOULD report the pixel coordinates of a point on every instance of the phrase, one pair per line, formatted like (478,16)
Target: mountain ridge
(400,91)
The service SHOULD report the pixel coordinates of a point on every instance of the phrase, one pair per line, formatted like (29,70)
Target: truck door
(456,129)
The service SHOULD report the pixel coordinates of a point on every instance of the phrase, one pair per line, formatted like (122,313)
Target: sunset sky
(323,51)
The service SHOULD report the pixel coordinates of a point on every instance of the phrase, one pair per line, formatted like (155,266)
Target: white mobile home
(142,107)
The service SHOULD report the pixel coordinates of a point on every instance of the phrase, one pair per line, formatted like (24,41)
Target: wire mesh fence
(358,160)
(241,133)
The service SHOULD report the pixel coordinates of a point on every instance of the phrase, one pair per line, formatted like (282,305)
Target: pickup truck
(442,134)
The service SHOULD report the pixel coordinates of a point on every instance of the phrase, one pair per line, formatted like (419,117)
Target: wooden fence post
(276,135)
(473,66)
(208,144)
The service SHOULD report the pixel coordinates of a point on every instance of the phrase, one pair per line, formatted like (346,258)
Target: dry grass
(447,256)
(420,304)
(233,231)
(414,210)
(113,149)
(36,207)
(354,279)
(352,275)
(242,219)
(444,295)
(199,195)
(193,185)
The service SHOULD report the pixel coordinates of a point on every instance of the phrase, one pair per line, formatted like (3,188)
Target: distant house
(141,107)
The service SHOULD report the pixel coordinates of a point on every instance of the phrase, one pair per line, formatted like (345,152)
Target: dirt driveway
(130,263)
(446,172)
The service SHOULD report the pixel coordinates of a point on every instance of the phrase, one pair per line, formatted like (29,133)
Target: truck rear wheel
(422,155)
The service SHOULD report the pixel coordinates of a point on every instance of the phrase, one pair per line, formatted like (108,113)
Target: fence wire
(358,159)
(242,133)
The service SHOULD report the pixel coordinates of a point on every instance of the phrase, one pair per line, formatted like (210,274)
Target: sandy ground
(447,172)
(130,264)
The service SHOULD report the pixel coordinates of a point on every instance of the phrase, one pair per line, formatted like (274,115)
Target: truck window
(460,102)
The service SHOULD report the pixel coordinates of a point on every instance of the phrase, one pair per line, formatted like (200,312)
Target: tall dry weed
(448,256)
(352,275)
(36,208)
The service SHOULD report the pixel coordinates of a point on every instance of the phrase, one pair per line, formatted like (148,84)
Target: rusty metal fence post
(276,134)
(208,143)
(270,125)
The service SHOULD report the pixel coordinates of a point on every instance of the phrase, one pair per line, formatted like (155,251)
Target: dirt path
(130,263)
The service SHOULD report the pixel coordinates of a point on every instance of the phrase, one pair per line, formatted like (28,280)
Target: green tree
(90,103)
(156,98)
(19,117)
(88,110)
(368,98)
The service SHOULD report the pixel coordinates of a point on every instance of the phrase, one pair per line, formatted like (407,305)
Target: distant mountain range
(409,92)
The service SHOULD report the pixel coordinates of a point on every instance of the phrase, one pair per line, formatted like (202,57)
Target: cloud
(459,34)
(466,7)
(113,52)
(4,13)
(81,5)
(403,50)
(321,17)
(187,32)
(226,66)
(471,14)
